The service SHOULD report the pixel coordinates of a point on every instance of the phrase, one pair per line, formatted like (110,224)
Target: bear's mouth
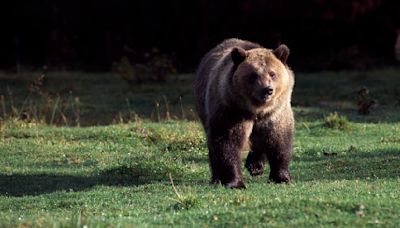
(260,101)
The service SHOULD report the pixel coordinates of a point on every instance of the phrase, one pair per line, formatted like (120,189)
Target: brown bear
(243,94)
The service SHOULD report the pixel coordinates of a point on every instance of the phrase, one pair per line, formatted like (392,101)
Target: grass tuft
(336,121)
(183,202)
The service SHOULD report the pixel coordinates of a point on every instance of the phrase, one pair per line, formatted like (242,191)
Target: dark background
(90,35)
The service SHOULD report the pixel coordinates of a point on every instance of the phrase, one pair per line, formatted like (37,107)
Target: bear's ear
(282,53)
(238,55)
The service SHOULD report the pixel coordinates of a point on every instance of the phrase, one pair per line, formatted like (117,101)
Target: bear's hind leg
(257,156)
(255,161)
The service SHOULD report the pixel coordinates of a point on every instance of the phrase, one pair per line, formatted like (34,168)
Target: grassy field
(116,169)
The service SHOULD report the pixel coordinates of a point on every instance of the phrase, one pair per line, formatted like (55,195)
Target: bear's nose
(267,91)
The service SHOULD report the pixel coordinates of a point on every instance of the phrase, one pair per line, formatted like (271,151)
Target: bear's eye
(252,77)
(272,74)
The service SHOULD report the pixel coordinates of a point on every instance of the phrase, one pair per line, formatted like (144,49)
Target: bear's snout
(262,95)
(266,92)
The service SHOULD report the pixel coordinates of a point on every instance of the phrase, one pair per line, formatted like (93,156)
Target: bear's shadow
(18,185)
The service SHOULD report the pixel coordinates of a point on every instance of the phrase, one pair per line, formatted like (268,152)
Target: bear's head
(261,77)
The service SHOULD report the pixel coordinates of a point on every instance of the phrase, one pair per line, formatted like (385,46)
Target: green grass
(118,175)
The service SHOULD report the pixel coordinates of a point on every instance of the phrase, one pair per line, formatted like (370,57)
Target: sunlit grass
(119,175)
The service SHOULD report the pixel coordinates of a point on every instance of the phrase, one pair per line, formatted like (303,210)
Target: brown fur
(243,93)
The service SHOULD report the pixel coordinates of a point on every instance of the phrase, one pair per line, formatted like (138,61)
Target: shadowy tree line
(91,35)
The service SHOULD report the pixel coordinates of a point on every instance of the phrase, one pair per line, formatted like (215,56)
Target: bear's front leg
(274,143)
(279,164)
(279,155)
(225,142)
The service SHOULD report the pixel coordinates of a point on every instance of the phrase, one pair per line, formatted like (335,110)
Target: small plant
(336,121)
(162,111)
(364,102)
(352,149)
(1,126)
(80,220)
(125,69)
(183,202)
(162,65)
